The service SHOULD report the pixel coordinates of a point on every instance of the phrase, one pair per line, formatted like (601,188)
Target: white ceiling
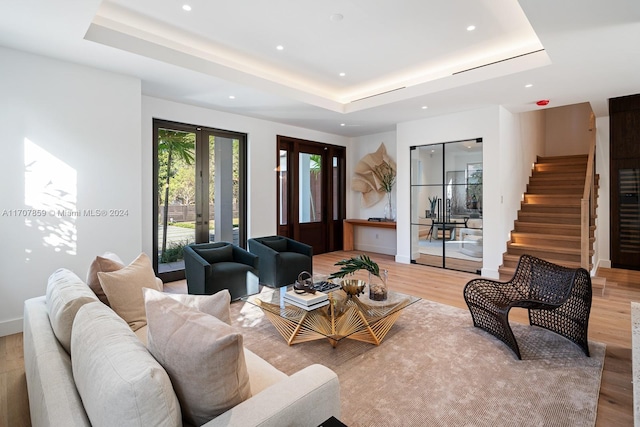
(398,57)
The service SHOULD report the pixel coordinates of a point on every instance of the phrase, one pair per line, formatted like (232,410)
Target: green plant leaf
(351,265)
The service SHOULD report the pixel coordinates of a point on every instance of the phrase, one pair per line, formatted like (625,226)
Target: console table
(347,229)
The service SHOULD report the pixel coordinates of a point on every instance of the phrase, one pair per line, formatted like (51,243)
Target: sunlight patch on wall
(50,189)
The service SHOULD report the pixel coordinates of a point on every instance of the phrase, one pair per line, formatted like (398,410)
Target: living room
(91,124)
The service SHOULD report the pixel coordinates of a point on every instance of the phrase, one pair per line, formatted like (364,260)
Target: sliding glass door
(446,205)
(199,188)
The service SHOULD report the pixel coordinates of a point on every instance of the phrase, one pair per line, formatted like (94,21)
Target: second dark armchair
(281,259)
(211,267)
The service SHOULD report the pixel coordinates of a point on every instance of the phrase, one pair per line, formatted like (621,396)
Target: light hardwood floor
(610,323)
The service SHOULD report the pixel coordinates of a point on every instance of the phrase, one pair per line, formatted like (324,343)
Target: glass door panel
(283,192)
(223,191)
(446,191)
(310,187)
(175,197)
(200,191)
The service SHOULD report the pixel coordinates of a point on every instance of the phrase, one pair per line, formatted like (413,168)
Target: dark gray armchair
(281,259)
(211,267)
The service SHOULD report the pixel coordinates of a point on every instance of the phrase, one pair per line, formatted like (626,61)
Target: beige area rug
(435,369)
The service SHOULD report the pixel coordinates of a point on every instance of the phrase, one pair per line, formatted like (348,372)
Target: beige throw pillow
(124,290)
(119,382)
(216,305)
(203,356)
(106,263)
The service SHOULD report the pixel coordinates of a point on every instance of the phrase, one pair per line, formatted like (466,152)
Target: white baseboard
(376,249)
(491,274)
(10,327)
(604,263)
(403,259)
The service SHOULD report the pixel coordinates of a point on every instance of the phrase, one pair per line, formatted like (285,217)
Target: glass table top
(343,316)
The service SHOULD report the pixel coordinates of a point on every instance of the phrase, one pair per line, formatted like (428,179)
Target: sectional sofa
(85,366)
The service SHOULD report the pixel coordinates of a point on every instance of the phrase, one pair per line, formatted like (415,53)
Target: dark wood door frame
(333,210)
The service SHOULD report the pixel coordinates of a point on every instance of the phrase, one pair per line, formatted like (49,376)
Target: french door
(311,193)
(446,205)
(199,191)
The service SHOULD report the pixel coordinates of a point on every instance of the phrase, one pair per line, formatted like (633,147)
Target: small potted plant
(377,288)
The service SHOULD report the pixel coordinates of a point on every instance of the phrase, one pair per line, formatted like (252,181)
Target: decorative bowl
(353,287)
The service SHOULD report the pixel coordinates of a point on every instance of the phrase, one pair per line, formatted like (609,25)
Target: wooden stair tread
(545,236)
(550,249)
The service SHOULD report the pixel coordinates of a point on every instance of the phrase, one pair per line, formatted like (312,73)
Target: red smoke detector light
(542,102)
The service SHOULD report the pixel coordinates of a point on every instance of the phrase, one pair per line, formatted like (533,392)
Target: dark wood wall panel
(624,114)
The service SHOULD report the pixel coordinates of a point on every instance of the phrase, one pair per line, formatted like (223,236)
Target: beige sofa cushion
(203,356)
(106,263)
(120,383)
(66,293)
(124,289)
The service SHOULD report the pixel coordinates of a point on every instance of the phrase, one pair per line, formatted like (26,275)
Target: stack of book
(306,300)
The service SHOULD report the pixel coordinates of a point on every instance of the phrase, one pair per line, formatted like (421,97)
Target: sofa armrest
(306,398)
(53,397)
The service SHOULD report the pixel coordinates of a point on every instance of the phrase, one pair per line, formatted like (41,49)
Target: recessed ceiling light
(343,124)
(343,74)
(424,107)
(528,85)
(232,97)
(186,7)
(280,47)
(471,27)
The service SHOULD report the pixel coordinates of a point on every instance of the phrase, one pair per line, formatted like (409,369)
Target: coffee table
(356,318)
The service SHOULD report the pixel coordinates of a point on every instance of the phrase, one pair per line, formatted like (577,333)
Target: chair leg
(497,324)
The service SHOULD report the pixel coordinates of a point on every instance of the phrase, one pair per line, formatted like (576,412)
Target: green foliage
(386,174)
(351,265)
(174,252)
(189,225)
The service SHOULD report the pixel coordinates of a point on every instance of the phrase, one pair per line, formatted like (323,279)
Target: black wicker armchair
(557,298)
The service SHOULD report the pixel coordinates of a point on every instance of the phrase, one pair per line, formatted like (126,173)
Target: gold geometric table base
(299,325)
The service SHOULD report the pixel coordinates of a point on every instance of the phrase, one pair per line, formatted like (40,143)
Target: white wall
(482,123)
(71,142)
(567,130)
(262,157)
(602,250)
(370,239)
(522,139)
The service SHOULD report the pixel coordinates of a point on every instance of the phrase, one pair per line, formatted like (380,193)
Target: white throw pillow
(124,289)
(119,382)
(66,293)
(203,356)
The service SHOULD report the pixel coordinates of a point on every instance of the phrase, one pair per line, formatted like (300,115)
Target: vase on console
(389,211)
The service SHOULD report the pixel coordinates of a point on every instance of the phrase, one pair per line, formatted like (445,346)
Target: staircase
(548,223)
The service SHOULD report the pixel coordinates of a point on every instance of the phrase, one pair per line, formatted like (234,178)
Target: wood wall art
(366,178)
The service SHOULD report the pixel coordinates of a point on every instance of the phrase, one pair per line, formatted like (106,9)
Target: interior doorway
(311,192)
